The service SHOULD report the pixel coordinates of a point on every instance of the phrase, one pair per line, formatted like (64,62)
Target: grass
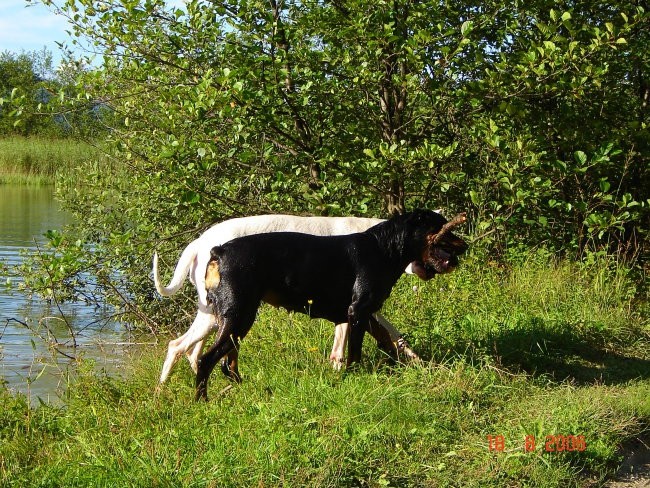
(38,160)
(537,349)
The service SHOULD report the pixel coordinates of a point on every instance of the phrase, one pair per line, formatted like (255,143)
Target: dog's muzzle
(440,258)
(439,262)
(442,261)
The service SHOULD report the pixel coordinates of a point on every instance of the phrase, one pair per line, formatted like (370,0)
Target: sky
(30,28)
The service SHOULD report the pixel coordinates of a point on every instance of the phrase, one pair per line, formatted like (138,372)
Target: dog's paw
(337,363)
(404,351)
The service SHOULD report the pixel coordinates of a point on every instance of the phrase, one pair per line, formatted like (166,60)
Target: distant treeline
(29,82)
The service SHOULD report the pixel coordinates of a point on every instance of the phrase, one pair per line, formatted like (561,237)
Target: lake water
(27,363)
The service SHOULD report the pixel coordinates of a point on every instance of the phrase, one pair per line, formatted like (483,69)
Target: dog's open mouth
(438,261)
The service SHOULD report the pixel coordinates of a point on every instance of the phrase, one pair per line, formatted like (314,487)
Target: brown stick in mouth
(455,222)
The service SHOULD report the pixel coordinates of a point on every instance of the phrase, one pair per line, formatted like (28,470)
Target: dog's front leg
(357,323)
(384,339)
(355,342)
(337,356)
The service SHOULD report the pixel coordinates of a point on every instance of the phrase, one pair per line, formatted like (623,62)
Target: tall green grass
(540,315)
(537,349)
(38,160)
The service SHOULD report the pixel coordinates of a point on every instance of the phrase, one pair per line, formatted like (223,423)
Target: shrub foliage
(532,116)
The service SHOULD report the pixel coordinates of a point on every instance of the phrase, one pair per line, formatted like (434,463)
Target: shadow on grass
(572,359)
(560,352)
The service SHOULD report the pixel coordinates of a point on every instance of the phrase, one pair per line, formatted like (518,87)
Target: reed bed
(38,160)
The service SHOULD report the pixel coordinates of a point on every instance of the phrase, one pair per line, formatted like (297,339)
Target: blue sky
(24,28)
(30,28)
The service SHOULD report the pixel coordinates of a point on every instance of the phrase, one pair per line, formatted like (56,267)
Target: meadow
(535,373)
(37,160)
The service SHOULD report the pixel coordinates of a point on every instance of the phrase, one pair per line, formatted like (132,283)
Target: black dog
(338,278)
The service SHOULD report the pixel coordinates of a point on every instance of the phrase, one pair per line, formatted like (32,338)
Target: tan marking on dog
(212,276)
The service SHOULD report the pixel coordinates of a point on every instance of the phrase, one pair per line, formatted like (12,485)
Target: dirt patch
(635,470)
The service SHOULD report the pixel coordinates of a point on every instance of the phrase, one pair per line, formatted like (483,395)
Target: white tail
(180,273)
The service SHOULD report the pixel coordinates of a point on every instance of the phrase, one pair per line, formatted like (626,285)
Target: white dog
(194,261)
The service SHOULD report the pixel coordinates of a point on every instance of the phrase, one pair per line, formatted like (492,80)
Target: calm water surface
(27,364)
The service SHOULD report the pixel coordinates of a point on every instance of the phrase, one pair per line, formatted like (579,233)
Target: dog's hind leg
(208,361)
(233,329)
(173,353)
(229,366)
(193,355)
(203,324)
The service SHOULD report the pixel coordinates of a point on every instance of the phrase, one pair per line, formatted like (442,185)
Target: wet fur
(339,278)
(193,263)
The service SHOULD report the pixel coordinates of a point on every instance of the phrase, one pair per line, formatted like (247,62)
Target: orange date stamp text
(551,443)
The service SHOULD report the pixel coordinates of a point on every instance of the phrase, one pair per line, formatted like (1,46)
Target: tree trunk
(395,197)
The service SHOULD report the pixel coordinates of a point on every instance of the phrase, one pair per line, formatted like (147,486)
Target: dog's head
(440,247)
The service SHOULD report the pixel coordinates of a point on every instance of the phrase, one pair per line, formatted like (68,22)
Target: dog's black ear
(215,252)
(433,221)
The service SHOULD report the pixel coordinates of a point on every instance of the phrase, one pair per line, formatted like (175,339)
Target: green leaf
(550,46)
(604,185)
(191,197)
(580,157)
(466,27)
